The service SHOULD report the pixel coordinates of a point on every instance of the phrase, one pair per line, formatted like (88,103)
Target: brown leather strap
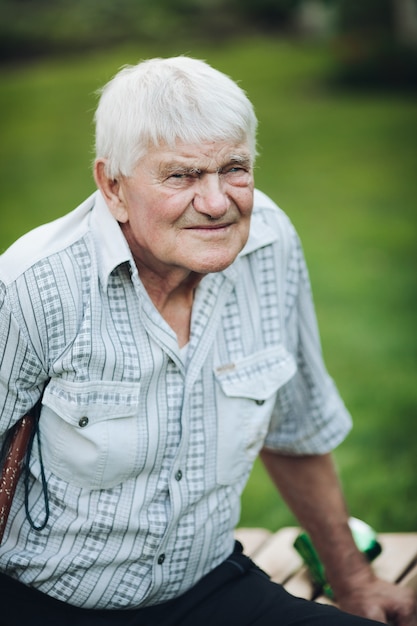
(12,466)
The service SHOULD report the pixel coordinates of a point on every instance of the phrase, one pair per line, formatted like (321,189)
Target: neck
(173,296)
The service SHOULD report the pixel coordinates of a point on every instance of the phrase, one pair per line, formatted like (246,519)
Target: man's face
(188,208)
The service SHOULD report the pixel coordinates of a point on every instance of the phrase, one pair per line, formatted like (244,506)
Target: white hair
(162,101)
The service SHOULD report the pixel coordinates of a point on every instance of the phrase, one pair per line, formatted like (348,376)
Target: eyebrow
(240,159)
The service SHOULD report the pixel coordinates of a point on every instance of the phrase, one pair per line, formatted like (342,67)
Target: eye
(183,175)
(235,171)
(180,179)
(237,174)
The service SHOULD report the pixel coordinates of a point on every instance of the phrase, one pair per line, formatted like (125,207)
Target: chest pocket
(90,432)
(246,394)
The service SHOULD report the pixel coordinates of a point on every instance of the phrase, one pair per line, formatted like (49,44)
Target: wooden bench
(275,554)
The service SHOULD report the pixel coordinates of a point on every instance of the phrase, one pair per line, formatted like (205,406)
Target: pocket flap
(259,375)
(97,400)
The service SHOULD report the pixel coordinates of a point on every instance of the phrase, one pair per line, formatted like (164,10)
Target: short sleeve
(309,416)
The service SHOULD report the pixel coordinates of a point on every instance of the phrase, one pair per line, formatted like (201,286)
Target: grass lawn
(343,166)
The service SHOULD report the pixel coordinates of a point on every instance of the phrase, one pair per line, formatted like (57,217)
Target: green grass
(343,166)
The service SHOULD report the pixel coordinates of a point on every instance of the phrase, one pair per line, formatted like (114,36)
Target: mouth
(210,226)
(211,232)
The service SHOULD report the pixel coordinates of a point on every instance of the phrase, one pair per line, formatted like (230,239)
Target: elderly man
(168,322)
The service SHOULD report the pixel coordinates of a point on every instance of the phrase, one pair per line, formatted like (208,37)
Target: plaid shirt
(147,447)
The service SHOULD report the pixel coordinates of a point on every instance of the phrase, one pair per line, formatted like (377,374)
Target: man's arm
(311,488)
(21,372)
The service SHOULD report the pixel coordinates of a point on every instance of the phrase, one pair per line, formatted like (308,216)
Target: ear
(111,190)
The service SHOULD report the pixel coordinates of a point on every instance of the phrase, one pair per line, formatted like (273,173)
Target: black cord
(36,412)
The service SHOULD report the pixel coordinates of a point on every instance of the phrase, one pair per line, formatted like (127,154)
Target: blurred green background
(334,86)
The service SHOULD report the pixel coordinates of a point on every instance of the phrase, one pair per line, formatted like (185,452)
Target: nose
(210,198)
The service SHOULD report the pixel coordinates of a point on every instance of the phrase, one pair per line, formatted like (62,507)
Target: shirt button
(83,422)
(161,559)
(178,475)
(260,402)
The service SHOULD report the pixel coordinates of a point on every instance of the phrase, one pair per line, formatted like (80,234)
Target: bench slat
(277,556)
(399,550)
(252,538)
(301,585)
(410,579)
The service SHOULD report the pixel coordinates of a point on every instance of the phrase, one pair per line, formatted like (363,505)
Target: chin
(214,265)
(208,260)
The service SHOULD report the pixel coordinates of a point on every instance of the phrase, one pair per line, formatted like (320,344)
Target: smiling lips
(210,231)
(209,226)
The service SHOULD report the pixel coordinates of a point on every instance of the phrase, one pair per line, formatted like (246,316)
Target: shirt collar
(111,246)
(261,234)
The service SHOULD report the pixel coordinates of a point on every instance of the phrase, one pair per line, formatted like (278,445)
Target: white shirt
(146,448)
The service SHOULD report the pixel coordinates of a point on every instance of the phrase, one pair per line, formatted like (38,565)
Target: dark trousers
(236,593)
